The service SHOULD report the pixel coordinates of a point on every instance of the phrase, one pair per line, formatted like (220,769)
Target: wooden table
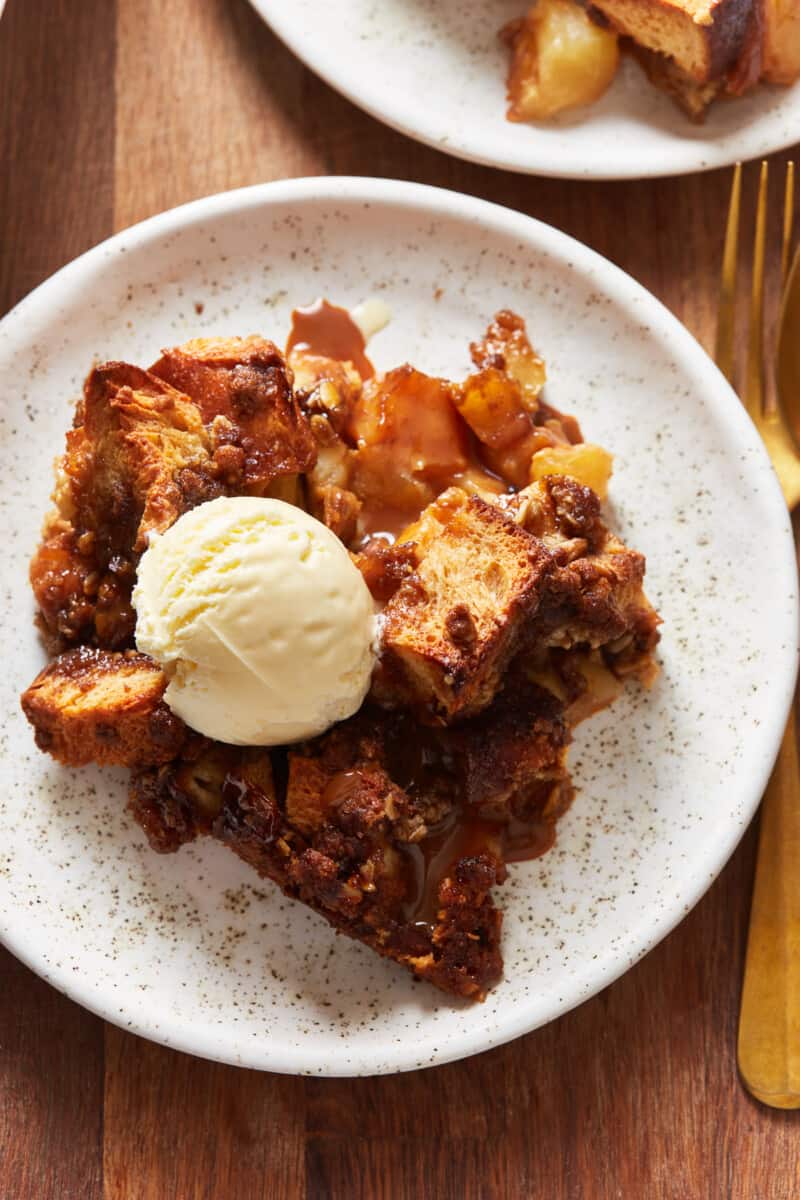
(111,110)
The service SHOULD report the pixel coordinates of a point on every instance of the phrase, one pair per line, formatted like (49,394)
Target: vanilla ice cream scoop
(260,619)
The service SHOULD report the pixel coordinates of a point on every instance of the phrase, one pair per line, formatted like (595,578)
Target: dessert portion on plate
(341,621)
(565,53)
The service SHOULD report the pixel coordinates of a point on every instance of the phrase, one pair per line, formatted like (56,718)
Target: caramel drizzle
(329,331)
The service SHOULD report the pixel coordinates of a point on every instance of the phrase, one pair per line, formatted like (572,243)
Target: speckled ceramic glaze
(192,949)
(437,71)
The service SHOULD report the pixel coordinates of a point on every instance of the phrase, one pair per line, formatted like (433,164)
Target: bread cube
(92,705)
(451,628)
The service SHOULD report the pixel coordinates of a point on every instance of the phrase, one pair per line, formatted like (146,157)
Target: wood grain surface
(111,110)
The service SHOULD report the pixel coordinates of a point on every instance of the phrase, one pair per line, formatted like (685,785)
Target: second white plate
(437,72)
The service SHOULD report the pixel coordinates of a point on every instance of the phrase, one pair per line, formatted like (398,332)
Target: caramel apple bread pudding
(565,53)
(341,621)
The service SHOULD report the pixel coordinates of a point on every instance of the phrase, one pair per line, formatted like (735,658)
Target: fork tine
(727,297)
(788,223)
(754,378)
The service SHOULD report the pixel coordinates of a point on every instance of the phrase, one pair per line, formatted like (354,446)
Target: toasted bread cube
(141,435)
(306,803)
(451,628)
(141,453)
(664,73)
(137,457)
(696,50)
(703,37)
(594,596)
(513,753)
(243,393)
(92,705)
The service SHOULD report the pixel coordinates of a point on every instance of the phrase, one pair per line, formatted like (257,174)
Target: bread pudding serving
(565,53)
(343,622)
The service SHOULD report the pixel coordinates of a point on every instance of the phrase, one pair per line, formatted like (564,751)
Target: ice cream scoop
(259,617)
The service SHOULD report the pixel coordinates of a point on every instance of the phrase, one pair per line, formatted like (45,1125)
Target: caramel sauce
(563,426)
(234,790)
(384,524)
(392,523)
(465,835)
(416,759)
(524,840)
(418,762)
(409,438)
(341,787)
(430,861)
(329,331)
(235,793)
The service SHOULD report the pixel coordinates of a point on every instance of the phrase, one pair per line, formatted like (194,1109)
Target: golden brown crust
(454,624)
(693,60)
(92,705)
(705,40)
(693,97)
(479,594)
(146,443)
(142,452)
(594,596)
(137,457)
(243,392)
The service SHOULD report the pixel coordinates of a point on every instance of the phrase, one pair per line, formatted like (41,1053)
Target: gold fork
(769,1022)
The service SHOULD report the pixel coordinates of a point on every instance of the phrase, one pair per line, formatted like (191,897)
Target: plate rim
(616,284)
(315,60)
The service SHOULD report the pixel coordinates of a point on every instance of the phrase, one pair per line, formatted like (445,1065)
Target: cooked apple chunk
(491,403)
(561,59)
(505,347)
(591,465)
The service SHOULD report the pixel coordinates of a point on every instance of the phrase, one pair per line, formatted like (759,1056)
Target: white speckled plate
(437,72)
(191,949)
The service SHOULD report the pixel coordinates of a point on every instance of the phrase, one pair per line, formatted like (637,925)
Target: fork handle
(769,1022)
